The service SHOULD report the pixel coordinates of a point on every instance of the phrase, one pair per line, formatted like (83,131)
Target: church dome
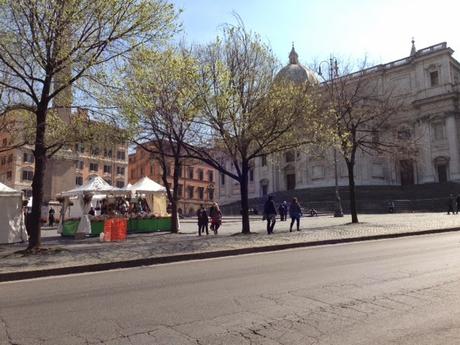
(295,72)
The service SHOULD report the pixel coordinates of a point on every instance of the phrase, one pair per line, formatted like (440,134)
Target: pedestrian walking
(216,217)
(295,212)
(203,220)
(283,209)
(51,213)
(270,214)
(458,203)
(391,206)
(450,205)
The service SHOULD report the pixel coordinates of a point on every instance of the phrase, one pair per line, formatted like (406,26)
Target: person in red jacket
(216,217)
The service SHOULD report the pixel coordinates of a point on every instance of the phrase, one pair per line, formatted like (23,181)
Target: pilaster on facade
(452,137)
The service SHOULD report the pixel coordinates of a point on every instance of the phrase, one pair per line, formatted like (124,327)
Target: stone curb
(22,275)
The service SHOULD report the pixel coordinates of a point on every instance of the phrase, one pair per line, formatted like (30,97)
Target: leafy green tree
(46,46)
(246,111)
(159,102)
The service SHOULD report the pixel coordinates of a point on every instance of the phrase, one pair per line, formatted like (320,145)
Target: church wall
(432,118)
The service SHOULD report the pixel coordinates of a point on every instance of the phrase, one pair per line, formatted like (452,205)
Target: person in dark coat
(104,207)
(295,212)
(450,205)
(270,214)
(51,216)
(283,208)
(202,220)
(391,206)
(458,203)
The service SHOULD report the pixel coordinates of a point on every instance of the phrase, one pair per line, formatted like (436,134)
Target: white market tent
(154,193)
(12,225)
(146,186)
(95,186)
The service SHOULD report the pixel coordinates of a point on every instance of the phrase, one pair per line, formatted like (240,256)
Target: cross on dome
(293,56)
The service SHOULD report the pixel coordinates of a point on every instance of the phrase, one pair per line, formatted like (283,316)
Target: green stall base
(97,227)
(134,226)
(164,224)
(70,227)
(149,225)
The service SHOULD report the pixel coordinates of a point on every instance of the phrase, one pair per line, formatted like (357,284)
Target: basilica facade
(428,80)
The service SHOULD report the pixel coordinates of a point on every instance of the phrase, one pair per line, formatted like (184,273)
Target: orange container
(119,229)
(108,229)
(115,229)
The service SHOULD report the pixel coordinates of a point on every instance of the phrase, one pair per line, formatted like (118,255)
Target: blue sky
(349,29)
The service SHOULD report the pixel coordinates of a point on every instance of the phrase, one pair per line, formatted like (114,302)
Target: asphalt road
(402,291)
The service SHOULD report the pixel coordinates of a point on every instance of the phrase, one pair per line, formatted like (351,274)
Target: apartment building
(70,167)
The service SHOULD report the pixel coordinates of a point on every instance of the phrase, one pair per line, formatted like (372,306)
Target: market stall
(84,199)
(153,216)
(12,225)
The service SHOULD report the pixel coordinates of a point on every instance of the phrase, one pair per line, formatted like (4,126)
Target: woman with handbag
(216,217)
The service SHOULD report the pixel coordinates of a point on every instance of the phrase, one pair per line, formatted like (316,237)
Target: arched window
(264,187)
(289,156)
(290,177)
(404,133)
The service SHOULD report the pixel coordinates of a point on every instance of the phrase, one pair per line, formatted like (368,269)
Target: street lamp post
(333,73)
(211,189)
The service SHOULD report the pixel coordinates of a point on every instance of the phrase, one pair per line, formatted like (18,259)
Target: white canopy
(12,226)
(95,185)
(5,190)
(146,186)
(154,193)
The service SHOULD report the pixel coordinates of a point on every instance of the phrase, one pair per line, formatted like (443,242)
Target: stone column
(452,139)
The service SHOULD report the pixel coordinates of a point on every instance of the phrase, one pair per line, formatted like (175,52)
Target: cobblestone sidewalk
(69,252)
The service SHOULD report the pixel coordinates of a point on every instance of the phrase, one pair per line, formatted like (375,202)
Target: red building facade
(197,182)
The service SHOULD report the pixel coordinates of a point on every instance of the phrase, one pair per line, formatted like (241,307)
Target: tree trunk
(174,218)
(351,185)
(175,199)
(37,182)
(246,229)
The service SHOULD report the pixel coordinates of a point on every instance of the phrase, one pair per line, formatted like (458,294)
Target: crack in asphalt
(7,332)
(310,323)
